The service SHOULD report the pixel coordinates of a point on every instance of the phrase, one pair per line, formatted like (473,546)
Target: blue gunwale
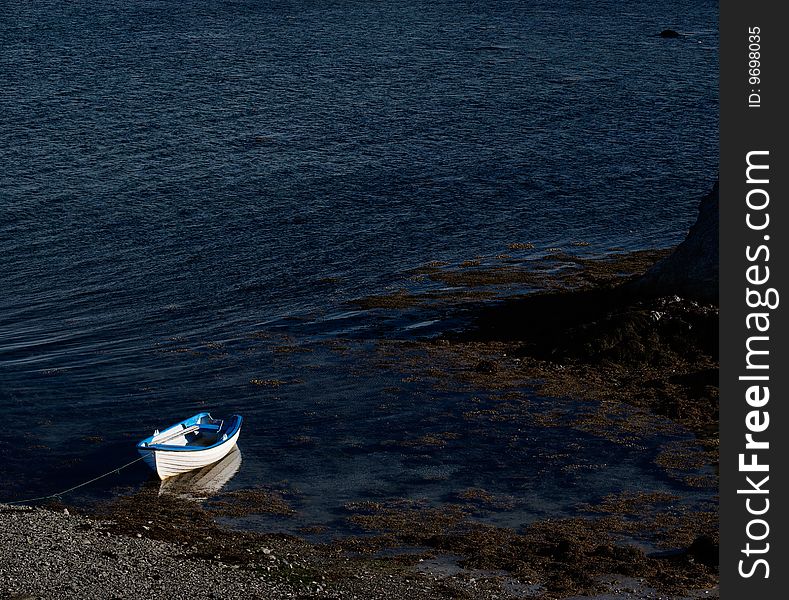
(233,425)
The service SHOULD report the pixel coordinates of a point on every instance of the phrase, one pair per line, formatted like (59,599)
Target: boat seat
(184,430)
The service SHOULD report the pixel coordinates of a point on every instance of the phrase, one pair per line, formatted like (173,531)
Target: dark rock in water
(705,550)
(669,33)
(692,269)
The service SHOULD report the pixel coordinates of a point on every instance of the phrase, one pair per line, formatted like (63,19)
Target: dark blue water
(184,185)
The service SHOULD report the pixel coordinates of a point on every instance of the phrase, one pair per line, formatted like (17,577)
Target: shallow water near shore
(331,421)
(193,195)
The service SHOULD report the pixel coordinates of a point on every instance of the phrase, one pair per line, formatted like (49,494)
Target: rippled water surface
(188,186)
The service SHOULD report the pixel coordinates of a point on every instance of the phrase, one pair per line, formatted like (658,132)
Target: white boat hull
(167,463)
(201,484)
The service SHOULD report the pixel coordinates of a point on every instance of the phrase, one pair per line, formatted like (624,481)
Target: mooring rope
(76,487)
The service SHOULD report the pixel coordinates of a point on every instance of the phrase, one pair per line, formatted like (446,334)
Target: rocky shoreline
(642,361)
(50,553)
(651,359)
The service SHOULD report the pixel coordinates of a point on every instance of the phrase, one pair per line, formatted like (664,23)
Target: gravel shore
(46,554)
(56,555)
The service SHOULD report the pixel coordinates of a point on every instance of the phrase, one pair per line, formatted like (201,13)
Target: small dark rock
(562,549)
(705,550)
(486,366)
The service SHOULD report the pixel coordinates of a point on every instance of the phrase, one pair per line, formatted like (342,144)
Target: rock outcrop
(692,269)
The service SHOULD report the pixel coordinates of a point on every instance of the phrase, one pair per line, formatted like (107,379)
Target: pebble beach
(47,554)
(52,554)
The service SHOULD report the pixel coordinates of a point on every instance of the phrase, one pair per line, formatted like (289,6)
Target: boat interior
(202,432)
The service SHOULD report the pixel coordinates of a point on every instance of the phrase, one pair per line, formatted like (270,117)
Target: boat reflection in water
(203,483)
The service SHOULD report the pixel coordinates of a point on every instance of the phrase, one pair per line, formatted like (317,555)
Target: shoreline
(637,370)
(48,553)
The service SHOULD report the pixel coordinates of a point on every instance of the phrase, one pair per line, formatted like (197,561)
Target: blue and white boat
(191,444)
